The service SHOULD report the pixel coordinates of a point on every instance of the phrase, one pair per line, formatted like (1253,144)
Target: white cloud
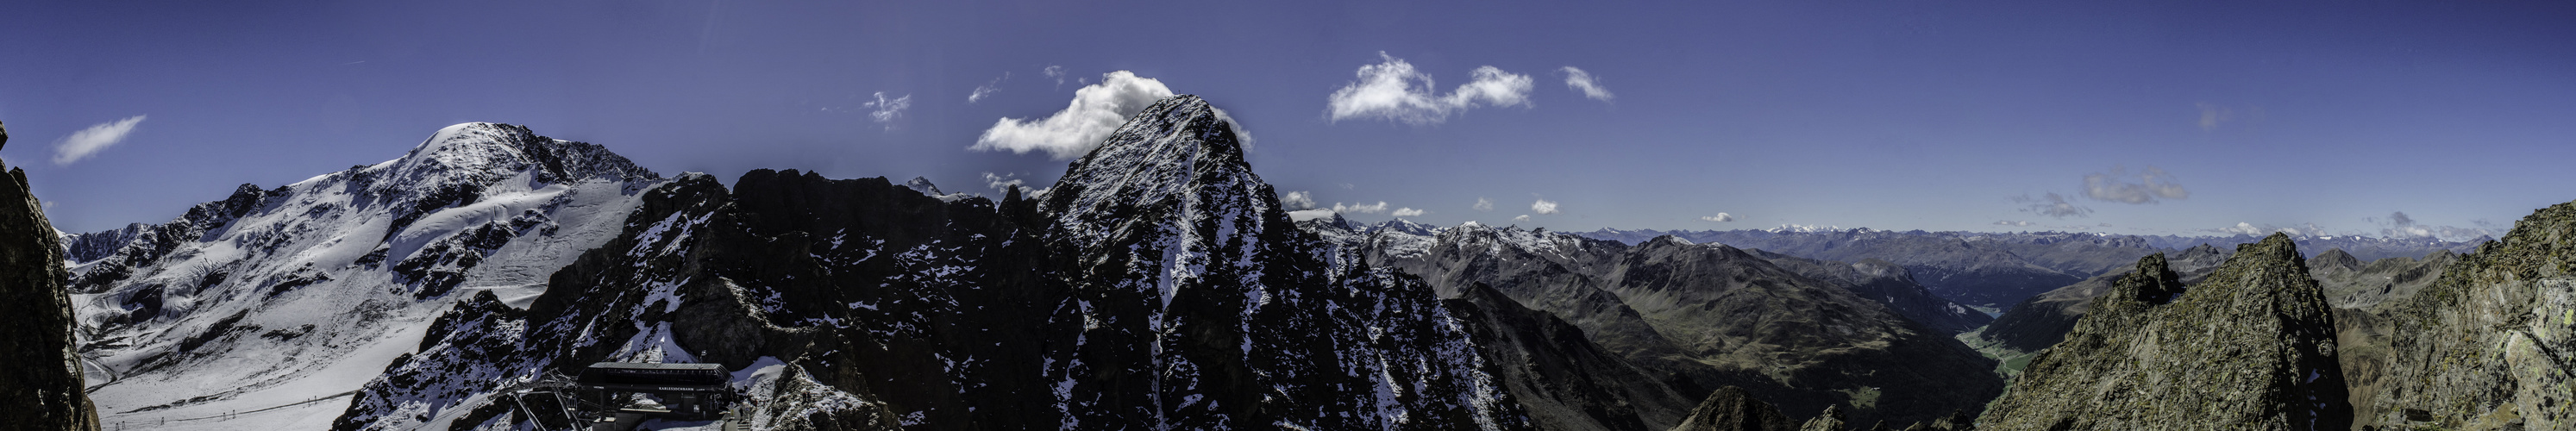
(1483,204)
(2213,115)
(1096,111)
(2114,186)
(1409,212)
(1543,206)
(1389,90)
(1580,80)
(2013,223)
(1720,217)
(2399,225)
(1004,183)
(1304,215)
(1056,72)
(82,144)
(1358,208)
(2244,228)
(886,110)
(1295,201)
(987,89)
(2250,229)
(1522,218)
(2052,205)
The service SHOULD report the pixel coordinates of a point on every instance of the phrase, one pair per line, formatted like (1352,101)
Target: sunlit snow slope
(263,310)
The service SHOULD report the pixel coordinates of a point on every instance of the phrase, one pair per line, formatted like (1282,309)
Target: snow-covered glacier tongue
(264,310)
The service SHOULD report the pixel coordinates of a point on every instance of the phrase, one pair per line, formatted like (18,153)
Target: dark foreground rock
(2251,347)
(40,377)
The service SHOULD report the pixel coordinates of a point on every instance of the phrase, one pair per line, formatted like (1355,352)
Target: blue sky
(1895,115)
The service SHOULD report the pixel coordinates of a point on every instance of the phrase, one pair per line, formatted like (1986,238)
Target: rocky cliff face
(2363,294)
(2250,347)
(40,375)
(2488,345)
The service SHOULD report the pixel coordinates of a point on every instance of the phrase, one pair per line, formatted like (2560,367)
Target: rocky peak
(2252,346)
(2154,283)
(922,184)
(1176,156)
(479,153)
(84,247)
(1833,419)
(2336,259)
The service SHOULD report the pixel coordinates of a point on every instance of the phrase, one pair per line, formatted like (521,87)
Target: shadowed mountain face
(2250,347)
(1158,286)
(1708,316)
(2489,344)
(40,376)
(1890,285)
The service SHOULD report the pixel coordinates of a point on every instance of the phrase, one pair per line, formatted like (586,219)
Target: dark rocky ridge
(40,375)
(2252,346)
(1157,285)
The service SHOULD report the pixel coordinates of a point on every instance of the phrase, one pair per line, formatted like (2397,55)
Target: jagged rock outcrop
(1833,419)
(40,373)
(2491,343)
(1732,409)
(2044,319)
(2251,347)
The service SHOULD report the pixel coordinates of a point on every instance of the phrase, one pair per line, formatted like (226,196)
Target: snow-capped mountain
(1158,285)
(269,306)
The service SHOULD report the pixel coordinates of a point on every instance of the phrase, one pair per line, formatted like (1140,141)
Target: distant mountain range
(1994,270)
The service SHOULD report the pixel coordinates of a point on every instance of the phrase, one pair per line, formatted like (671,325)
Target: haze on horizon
(2182,118)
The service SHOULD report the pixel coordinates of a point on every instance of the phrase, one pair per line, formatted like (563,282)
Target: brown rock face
(40,378)
(2251,347)
(2491,344)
